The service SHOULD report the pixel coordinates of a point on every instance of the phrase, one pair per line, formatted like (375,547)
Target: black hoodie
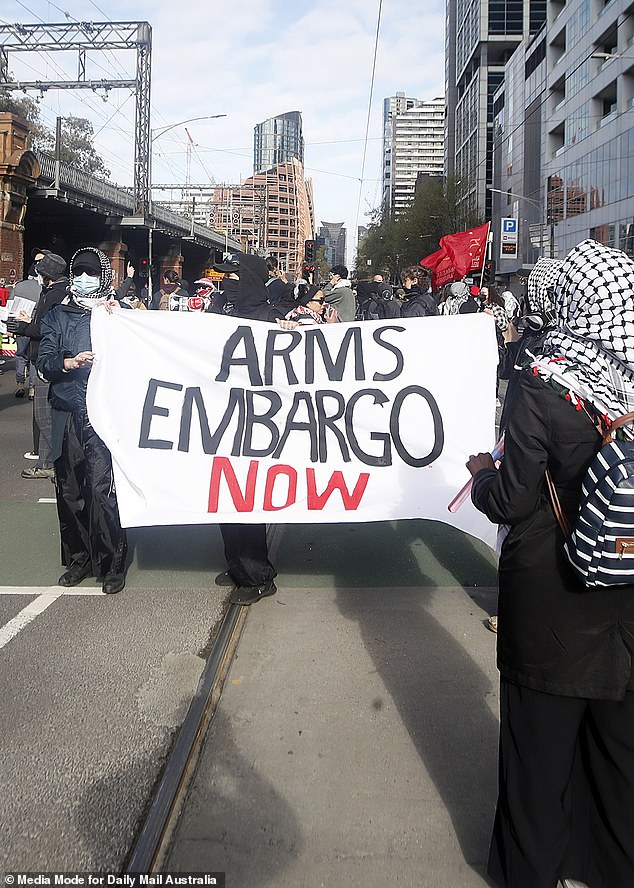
(248,296)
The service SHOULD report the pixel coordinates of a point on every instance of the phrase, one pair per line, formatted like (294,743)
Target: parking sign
(508,238)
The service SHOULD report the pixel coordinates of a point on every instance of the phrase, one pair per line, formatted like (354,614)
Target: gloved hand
(12,325)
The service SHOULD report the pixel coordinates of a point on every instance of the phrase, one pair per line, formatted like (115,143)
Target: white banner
(216,419)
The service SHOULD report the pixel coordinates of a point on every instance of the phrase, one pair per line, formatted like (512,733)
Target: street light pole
(539,206)
(155,134)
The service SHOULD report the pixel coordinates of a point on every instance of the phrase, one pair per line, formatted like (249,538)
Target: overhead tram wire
(60,71)
(367,125)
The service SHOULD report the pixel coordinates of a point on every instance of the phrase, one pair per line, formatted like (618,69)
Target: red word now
(285,478)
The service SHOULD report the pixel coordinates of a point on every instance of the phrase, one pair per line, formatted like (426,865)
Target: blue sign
(509,226)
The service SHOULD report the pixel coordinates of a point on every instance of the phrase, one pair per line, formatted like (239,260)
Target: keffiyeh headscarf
(457,296)
(102,266)
(541,284)
(499,315)
(591,351)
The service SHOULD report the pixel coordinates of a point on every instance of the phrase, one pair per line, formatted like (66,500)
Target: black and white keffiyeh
(106,289)
(457,295)
(541,284)
(591,351)
(499,315)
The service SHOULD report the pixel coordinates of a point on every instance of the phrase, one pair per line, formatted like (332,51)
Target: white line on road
(45,596)
(44,499)
(50,590)
(27,615)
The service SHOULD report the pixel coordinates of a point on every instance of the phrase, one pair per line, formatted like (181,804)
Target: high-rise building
(333,237)
(278,140)
(564,134)
(480,37)
(413,143)
(270,212)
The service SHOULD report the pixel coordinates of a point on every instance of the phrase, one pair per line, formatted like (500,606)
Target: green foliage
(394,244)
(322,264)
(27,108)
(77,147)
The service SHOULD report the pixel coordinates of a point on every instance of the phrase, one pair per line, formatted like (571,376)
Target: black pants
(247,554)
(86,501)
(566,791)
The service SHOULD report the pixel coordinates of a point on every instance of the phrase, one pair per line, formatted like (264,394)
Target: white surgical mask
(86,284)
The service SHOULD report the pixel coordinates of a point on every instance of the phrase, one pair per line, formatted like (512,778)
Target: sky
(250,60)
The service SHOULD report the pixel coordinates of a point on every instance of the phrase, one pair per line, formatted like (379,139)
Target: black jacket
(418,304)
(49,298)
(248,296)
(65,333)
(554,634)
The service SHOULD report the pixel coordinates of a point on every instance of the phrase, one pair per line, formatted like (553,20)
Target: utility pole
(58,151)
(80,37)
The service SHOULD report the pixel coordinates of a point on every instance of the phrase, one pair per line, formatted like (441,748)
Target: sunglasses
(314,299)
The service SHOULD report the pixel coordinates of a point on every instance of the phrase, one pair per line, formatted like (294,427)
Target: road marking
(44,597)
(43,499)
(27,615)
(50,590)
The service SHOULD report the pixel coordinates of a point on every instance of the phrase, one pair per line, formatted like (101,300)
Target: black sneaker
(223,579)
(250,594)
(75,574)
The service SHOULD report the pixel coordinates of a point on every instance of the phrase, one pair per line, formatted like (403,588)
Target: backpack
(600,545)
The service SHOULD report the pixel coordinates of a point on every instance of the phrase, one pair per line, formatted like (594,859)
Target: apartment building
(413,143)
(564,133)
(480,36)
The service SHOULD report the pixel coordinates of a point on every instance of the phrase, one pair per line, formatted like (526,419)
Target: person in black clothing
(50,270)
(93,541)
(519,351)
(565,651)
(249,571)
(276,288)
(472,304)
(419,302)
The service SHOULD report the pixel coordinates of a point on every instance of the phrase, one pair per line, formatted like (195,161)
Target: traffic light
(309,268)
(143,268)
(309,250)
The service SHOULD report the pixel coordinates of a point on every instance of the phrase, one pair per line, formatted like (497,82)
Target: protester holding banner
(246,550)
(93,542)
(565,651)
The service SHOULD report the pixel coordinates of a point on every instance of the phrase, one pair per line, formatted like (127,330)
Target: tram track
(153,840)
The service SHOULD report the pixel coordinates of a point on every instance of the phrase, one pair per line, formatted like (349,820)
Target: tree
(77,147)
(322,264)
(393,244)
(29,110)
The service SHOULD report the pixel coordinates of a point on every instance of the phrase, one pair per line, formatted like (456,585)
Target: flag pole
(487,253)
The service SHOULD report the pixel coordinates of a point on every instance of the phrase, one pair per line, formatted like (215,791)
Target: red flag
(467,249)
(442,269)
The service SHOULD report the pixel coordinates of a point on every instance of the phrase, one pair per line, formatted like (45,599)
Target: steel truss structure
(85,36)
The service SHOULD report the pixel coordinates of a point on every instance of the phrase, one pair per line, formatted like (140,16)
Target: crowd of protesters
(565,652)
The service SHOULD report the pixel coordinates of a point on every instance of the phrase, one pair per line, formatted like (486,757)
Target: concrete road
(373,646)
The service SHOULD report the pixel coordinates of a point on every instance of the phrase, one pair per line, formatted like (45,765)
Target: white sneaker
(31,455)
